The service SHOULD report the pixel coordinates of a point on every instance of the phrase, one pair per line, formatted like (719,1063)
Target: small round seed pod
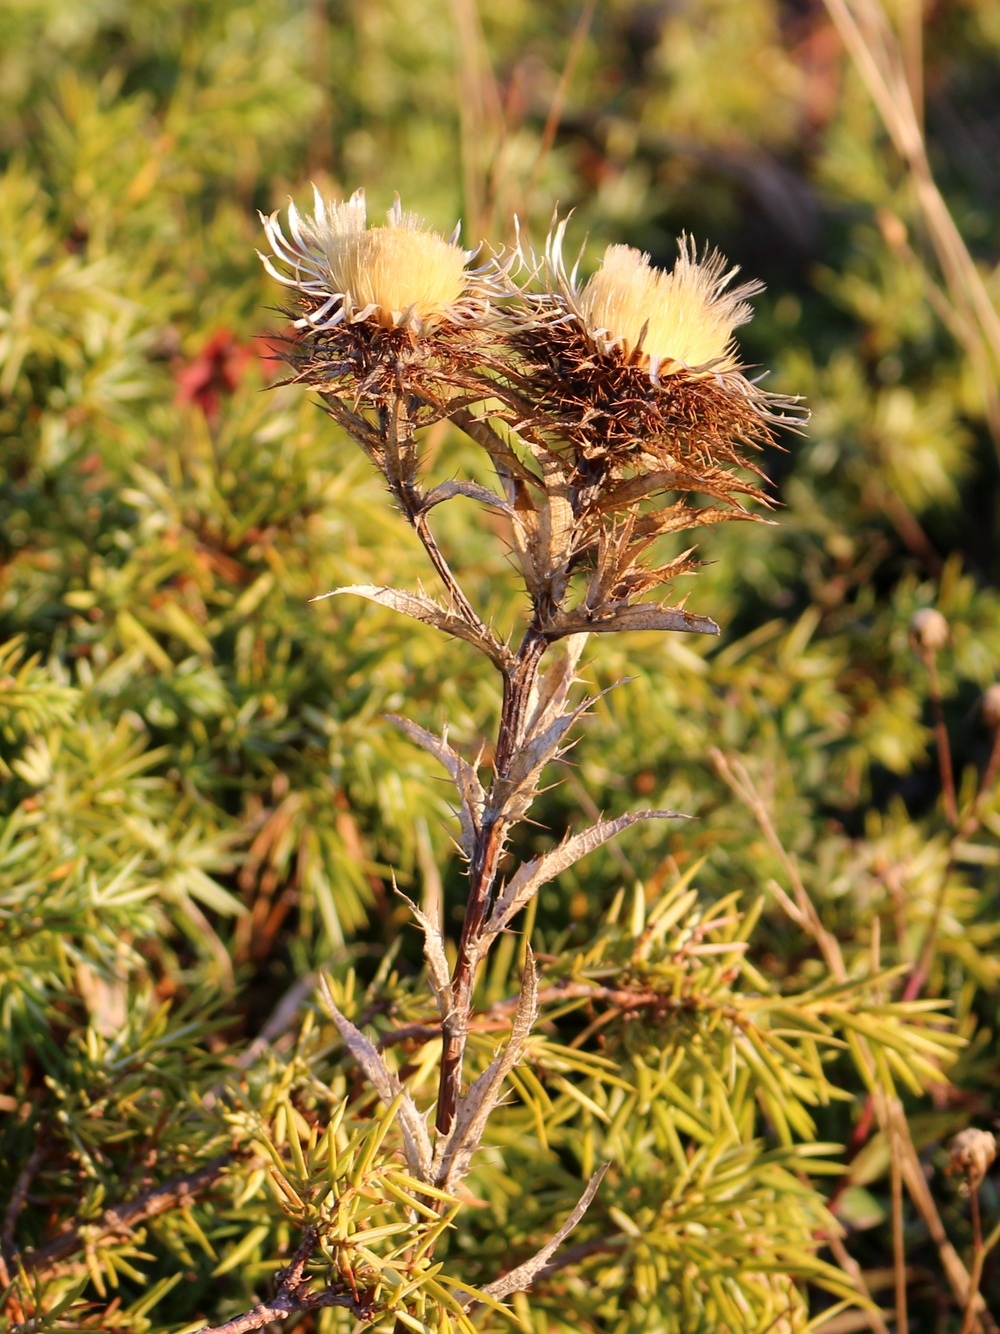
(928,630)
(990,705)
(971,1154)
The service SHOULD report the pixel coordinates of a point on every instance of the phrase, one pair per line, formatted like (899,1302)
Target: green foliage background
(201,803)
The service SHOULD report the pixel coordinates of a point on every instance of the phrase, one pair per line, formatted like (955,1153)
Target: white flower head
(400,275)
(681,320)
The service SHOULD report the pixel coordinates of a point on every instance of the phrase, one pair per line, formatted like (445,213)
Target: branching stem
(978,1256)
(18,1199)
(518,684)
(421,526)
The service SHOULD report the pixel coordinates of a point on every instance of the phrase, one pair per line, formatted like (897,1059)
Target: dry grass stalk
(889,68)
(888,1111)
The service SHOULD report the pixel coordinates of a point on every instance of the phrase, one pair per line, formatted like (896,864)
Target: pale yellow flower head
(677,320)
(399,275)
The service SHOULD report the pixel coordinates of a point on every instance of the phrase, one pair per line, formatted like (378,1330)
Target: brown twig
(803,910)
(972,1153)
(884,68)
(280,1020)
(972,821)
(928,947)
(480,112)
(518,683)
(910,530)
(559,96)
(854,1272)
(898,1240)
(911,41)
(976,1272)
(495,1019)
(294,1296)
(18,1199)
(929,659)
(119,1221)
(284,1305)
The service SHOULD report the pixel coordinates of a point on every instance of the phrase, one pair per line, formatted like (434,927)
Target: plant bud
(990,705)
(972,1154)
(928,630)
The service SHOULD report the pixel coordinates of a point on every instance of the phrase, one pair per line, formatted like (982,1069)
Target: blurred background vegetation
(200,801)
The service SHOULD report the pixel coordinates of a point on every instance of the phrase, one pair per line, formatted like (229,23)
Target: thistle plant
(615,413)
(595,405)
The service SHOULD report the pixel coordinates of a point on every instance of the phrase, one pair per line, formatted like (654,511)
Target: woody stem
(519,681)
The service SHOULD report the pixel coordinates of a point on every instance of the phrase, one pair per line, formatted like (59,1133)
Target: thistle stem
(455,1028)
(400,452)
(461,603)
(518,684)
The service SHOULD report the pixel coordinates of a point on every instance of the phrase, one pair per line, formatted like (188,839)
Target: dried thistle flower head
(614,395)
(398,276)
(682,320)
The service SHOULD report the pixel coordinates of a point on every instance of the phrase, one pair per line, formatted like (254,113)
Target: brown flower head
(990,705)
(373,302)
(928,630)
(638,371)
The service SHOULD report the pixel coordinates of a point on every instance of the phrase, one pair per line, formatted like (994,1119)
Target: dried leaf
(707,481)
(361,431)
(471,490)
(552,688)
(472,797)
(558,524)
(386,1084)
(525,1274)
(530,877)
(425,609)
(434,953)
(511,796)
(480,430)
(475,1107)
(644,616)
(677,518)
